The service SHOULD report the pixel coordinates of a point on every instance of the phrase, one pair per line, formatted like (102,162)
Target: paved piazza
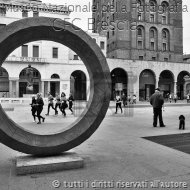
(115,154)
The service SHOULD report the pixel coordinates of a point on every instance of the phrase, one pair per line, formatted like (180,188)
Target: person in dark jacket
(58,103)
(34,108)
(40,104)
(70,100)
(157,101)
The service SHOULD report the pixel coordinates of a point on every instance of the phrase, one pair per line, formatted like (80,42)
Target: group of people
(125,99)
(174,97)
(61,103)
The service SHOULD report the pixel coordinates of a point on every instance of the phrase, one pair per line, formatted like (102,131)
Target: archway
(78,85)
(181,89)
(166,82)
(23,90)
(147,81)
(119,81)
(55,84)
(4,83)
(53,29)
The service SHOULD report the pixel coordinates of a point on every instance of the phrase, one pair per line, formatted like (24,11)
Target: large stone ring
(42,28)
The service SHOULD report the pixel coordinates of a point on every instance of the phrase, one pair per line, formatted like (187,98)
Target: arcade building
(149,56)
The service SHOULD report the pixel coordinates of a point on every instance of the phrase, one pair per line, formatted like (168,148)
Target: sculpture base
(31,165)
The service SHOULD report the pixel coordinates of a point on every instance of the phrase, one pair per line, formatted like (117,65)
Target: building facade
(149,30)
(55,67)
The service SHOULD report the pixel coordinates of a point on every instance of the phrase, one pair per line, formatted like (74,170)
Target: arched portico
(119,81)
(4,82)
(78,85)
(166,83)
(147,82)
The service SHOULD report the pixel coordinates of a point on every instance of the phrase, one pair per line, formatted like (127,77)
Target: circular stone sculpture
(42,28)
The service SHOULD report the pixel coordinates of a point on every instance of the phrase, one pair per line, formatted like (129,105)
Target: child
(182,122)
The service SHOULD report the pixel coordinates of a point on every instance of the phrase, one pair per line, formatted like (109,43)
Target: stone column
(48,86)
(157,81)
(10,88)
(17,88)
(42,88)
(175,87)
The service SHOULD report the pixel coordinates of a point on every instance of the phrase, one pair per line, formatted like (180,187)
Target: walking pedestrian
(70,100)
(58,103)
(50,103)
(175,98)
(124,99)
(187,98)
(34,108)
(64,104)
(170,98)
(118,103)
(134,99)
(157,101)
(129,99)
(40,104)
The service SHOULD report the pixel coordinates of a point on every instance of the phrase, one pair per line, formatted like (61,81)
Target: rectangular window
(25,51)
(35,14)
(141,58)
(108,35)
(2,11)
(152,46)
(24,14)
(164,20)
(164,47)
(76,57)
(151,18)
(153,58)
(140,46)
(35,51)
(139,16)
(55,53)
(2,25)
(102,45)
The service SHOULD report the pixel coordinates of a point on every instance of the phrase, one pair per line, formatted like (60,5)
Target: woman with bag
(64,104)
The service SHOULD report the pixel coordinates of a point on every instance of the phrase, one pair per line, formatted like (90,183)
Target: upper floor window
(24,14)
(102,45)
(140,44)
(164,20)
(35,14)
(35,51)
(152,18)
(2,11)
(76,57)
(55,52)
(152,35)
(139,32)
(164,34)
(24,50)
(164,47)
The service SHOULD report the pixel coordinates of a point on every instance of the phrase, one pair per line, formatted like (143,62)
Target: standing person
(175,98)
(40,104)
(50,102)
(157,101)
(170,98)
(58,103)
(134,99)
(129,99)
(34,107)
(63,103)
(187,98)
(70,100)
(118,103)
(124,99)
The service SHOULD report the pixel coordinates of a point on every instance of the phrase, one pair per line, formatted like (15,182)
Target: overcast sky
(83,23)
